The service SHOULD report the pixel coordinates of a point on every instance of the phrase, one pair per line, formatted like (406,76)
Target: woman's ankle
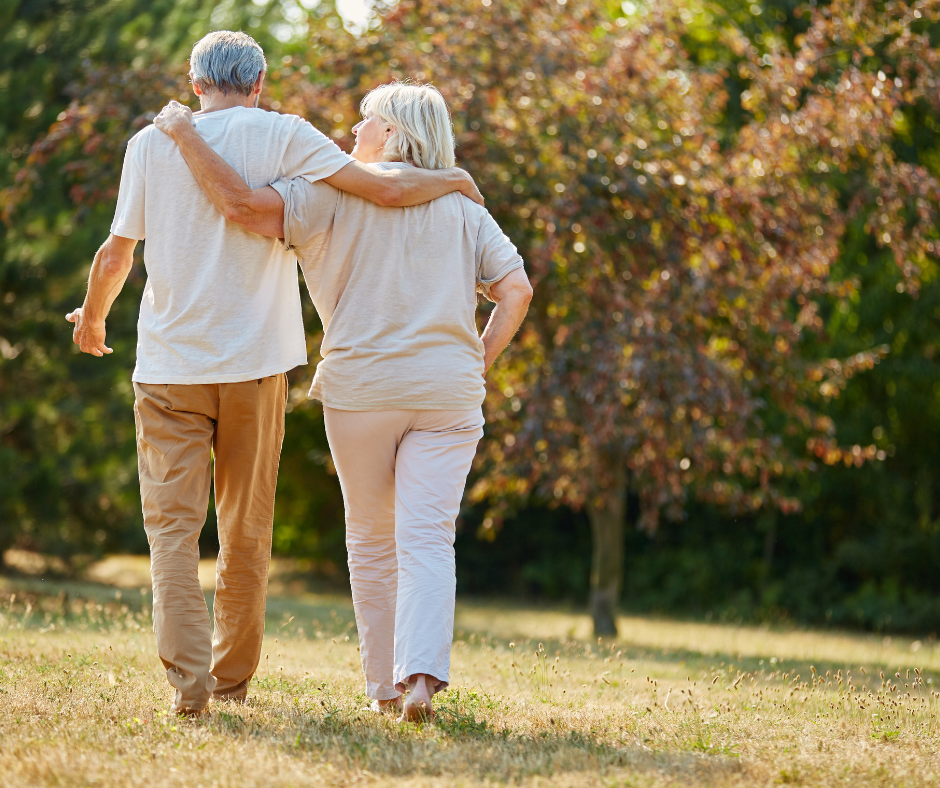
(416,702)
(421,682)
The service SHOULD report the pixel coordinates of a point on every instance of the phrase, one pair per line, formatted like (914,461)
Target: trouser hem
(439,684)
(378,692)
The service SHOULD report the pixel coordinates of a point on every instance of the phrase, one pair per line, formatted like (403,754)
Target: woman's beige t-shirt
(396,290)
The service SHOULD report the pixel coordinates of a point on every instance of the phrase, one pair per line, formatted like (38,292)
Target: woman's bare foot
(416,702)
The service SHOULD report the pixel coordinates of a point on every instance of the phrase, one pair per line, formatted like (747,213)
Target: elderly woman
(402,375)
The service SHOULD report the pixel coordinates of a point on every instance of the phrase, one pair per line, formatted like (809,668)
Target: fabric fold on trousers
(180,430)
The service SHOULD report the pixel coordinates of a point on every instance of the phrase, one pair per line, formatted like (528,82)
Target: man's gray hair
(227,61)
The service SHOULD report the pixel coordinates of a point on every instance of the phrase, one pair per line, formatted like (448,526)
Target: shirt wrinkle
(396,291)
(220,304)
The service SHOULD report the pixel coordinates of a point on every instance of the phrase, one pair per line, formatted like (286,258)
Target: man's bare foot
(416,702)
(393,704)
(243,699)
(186,712)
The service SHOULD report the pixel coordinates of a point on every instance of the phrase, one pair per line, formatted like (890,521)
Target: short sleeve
(129,214)
(312,155)
(496,256)
(309,209)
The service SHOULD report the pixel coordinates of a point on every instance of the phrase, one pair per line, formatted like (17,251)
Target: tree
(77,78)
(735,259)
(678,265)
(680,231)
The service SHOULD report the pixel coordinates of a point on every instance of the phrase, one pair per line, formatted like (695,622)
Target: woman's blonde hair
(424,134)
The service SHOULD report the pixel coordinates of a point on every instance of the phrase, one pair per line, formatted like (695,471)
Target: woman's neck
(377,159)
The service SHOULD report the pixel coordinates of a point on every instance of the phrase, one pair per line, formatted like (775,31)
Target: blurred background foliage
(861,540)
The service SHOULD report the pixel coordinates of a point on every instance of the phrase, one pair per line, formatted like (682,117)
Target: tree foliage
(678,265)
(77,78)
(690,185)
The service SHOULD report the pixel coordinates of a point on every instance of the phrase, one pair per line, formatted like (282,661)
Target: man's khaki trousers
(181,430)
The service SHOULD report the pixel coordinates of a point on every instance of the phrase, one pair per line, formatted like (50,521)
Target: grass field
(534,701)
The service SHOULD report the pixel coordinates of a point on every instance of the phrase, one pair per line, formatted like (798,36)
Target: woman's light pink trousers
(403,474)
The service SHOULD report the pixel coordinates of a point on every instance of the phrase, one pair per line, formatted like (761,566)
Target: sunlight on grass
(533,701)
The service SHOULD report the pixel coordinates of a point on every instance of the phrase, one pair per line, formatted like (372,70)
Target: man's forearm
(224,187)
(233,198)
(109,271)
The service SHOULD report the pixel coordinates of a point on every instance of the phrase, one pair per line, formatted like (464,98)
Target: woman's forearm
(512,294)
(402,186)
(504,321)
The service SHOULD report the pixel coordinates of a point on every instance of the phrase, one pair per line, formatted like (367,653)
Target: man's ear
(259,83)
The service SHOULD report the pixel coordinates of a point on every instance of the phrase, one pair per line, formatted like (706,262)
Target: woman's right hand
(174,119)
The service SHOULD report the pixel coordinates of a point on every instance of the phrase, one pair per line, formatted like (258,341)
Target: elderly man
(220,324)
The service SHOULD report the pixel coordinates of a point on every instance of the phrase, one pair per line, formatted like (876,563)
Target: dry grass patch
(533,702)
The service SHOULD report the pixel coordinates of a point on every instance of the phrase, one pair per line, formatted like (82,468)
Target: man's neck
(216,101)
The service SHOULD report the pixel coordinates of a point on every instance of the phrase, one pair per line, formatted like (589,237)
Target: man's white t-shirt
(221,304)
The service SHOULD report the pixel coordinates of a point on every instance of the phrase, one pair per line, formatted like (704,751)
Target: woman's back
(396,292)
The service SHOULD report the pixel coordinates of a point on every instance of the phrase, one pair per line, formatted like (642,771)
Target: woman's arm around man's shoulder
(262,210)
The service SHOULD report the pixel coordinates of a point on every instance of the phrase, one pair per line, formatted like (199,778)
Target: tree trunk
(767,523)
(607,513)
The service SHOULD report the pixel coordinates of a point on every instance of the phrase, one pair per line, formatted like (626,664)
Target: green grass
(534,700)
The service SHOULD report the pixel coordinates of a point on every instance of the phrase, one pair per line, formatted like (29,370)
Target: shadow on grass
(695,660)
(462,741)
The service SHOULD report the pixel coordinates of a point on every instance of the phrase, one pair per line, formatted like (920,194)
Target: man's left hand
(88,336)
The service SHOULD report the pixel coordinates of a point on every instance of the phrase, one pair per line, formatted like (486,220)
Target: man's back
(221,304)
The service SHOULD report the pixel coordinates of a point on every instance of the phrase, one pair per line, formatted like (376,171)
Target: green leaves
(679,179)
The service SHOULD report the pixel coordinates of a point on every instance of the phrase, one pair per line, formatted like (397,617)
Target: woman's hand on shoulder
(174,119)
